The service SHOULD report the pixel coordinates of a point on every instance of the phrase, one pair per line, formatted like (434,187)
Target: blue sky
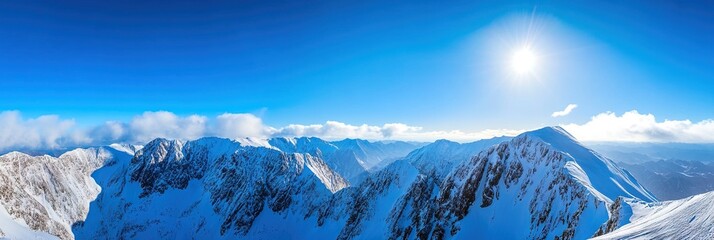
(431,64)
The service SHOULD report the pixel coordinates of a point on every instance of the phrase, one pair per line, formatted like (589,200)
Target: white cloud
(635,127)
(396,131)
(240,125)
(455,135)
(565,111)
(164,124)
(47,131)
(110,132)
(51,132)
(331,130)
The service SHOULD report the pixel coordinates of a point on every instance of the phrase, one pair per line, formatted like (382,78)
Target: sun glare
(523,61)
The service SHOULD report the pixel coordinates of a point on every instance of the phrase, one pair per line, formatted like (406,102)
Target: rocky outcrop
(49,194)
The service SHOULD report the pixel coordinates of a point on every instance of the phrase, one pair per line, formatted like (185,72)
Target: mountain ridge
(549,184)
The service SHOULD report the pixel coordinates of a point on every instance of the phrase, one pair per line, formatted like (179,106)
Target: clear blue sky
(433,64)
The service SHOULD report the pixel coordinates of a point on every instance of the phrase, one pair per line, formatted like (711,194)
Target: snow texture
(689,218)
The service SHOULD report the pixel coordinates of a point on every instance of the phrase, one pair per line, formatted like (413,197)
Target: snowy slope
(48,194)
(12,228)
(689,218)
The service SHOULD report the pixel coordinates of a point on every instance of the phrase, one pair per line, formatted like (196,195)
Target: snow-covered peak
(253,142)
(443,142)
(15,155)
(590,168)
(351,158)
(127,148)
(311,145)
(372,155)
(550,133)
(441,156)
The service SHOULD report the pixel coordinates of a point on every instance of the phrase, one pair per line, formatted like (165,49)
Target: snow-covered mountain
(42,196)
(674,179)
(372,155)
(688,218)
(669,170)
(541,184)
(211,187)
(441,156)
(351,158)
(641,152)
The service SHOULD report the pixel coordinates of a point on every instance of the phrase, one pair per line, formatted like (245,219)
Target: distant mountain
(441,156)
(688,218)
(670,170)
(373,154)
(643,152)
(674,179)
(351,158)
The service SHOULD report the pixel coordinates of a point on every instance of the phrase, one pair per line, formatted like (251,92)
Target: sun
(523,61)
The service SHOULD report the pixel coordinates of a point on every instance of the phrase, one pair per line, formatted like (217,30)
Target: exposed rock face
(618,216)
(287,178)
(49,194)
(223,186)
(525,175)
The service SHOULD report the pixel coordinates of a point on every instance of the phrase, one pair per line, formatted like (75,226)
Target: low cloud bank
(53,132)
(633,126)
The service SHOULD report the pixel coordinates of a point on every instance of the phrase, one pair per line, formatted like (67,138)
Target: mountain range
(541,184)
(670,170)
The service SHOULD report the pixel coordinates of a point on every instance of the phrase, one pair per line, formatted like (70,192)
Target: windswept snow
(689,218)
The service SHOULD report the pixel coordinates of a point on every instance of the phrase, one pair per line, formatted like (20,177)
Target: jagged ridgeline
(539,185)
